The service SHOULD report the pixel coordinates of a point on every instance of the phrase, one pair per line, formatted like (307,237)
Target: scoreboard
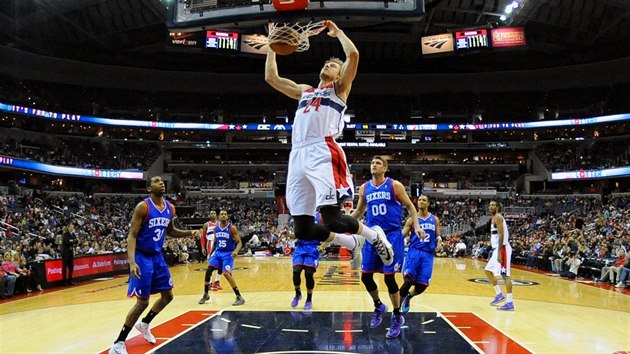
(222,40)
(473,39)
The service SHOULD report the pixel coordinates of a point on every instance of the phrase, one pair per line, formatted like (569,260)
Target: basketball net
(294,34)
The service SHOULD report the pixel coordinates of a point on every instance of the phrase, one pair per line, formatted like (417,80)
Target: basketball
(284,39)
(283,48)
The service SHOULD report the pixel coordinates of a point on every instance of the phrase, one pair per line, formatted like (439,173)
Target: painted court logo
(501,282)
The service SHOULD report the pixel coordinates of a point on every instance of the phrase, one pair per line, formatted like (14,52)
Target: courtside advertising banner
(121,261)
(436,44)
(83,266)
(508,37)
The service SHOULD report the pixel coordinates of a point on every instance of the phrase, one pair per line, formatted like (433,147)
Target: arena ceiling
(134,33)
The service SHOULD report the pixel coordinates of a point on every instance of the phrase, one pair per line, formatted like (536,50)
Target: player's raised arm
(351,64)
(286,86)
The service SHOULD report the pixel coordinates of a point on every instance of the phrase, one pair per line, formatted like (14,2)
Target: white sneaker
(146,332)
(383,247)
(118,348)
(620,285)
(355,253)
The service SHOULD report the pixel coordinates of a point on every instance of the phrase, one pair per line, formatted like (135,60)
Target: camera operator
(574,264)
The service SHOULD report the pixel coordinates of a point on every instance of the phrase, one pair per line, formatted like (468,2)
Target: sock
(497,289)
(216,280)
(344,240)
(206,287)
(149,317)
(124,332)
(377,303)
(238,293)
(397,311)
(298,293)
(309,297)
(368,234)
(509,297)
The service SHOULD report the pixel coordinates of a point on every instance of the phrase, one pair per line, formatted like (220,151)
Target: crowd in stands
(194,180)
(585,154)
(84,153)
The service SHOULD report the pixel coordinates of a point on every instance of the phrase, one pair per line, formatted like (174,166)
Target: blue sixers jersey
(382,207)
(223,239)
(429,242)
(153,231)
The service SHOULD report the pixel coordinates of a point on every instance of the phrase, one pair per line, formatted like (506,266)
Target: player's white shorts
(494,266)
(318,175)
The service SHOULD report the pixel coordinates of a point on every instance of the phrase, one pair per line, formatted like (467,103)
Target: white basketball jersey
(319,114)
(494,234)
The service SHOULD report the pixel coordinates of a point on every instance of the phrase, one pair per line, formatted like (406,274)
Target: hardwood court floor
(552,315)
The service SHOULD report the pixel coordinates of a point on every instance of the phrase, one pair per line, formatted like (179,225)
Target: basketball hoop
(288,38)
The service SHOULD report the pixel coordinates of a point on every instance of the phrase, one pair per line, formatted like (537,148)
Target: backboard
(233,14)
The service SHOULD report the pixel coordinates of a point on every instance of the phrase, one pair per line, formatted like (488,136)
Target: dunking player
(305,258)
(152,220)
(227,244)
(418,266)
(318,174)
(382,197)
(500,261)
(207,244)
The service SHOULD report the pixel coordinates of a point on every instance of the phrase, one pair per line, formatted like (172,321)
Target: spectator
(7,284)
(254,242)
(625,274)
(460,249)
(574,264)
(9,268)
(67,254)
(613,272)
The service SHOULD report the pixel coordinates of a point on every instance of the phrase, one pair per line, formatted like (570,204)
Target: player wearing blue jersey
(227,243)
(207,243)
(418,266)
(383,198)
(152,221)
(305,258)
(318,176)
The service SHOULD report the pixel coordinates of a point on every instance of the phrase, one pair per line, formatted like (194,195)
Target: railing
(9,226)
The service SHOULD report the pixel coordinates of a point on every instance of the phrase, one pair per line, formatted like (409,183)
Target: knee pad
(303,225)
(368,280)
(337,222)
(306,228)
(390,281)
(208,274)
